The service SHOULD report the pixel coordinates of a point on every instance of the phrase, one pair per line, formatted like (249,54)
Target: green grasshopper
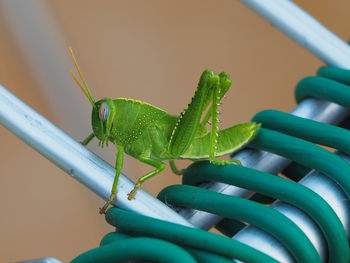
(152,135)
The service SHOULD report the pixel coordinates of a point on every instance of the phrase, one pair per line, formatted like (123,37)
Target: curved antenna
(86,91)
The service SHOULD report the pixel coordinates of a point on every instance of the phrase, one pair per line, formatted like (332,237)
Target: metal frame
(97,175)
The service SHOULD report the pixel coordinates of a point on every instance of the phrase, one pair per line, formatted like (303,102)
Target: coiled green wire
(323,88)
(241,209)
(305,153)
(283,190)
(137,248)
(336,74)
(139,237)
(317,132)
(199,255)
(138,225)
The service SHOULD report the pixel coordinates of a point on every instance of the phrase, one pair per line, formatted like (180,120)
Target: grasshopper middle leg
(159,165)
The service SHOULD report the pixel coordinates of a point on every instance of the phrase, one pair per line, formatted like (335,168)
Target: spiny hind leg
(159,165)
(214,125)
(218,93)
(225,162)
(175,169)
(224,85)
(189,120)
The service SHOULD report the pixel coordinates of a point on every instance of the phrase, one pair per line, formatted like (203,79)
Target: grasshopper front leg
(87,139)
(159,165)
(118,169)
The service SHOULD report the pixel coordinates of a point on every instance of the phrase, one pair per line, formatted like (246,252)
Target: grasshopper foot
(131,195)
(108,203)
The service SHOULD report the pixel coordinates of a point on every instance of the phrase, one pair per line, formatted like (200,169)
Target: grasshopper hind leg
(218,93)
(175,169)
(226,162)
(210,91)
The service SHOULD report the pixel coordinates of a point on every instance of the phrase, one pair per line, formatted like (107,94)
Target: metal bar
(303,29)
(75,159)
(309,33)
(42,260)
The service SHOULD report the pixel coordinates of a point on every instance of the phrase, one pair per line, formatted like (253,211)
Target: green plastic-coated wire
(199,255)
(190,237)
(336,74)
(281,189)
(113,237)
(206,257)
(251,212)
(323,88)
(313,131)
(137,248)
(305,153)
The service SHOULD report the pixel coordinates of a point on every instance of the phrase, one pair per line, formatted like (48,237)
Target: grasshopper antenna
(86,91)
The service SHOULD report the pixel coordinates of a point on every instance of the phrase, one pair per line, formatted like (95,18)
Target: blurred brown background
(153,51)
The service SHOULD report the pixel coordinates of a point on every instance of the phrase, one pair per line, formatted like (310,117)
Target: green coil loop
(147,239)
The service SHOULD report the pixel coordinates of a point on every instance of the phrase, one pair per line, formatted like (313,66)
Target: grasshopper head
(102,120)
(102,111)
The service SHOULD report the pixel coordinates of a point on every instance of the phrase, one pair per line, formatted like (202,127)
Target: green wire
(305,153)
(323,88)
(241,209)
(284,190)
(200,256)
(113,237)
(136,248)
(317,132)
(206,257)
(184,236)
(337,74)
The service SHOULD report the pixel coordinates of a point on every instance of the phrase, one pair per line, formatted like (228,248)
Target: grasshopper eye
(104,111)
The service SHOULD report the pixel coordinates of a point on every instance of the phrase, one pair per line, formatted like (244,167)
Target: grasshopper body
(152,136)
